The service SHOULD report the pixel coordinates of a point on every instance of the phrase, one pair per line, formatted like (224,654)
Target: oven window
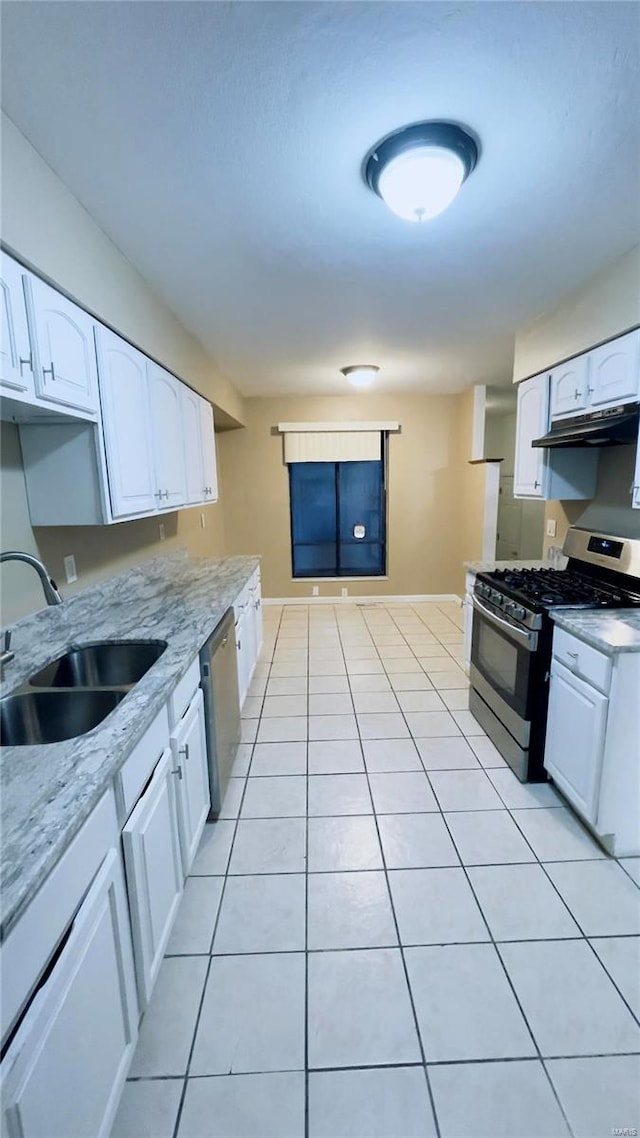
(497,659)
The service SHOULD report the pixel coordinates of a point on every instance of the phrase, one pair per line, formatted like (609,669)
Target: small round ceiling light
(360,375)
(418,170)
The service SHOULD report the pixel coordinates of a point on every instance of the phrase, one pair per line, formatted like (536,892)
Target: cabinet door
(208,451)
(66,371)
(195,490)
(242,646)
(65,1069)
(569,387)
(635,485)
(166,422)
(575,738)
(154,873)
(126,425)
(532,421)
(189,749)
(256,597)
(614,375)
(16,365)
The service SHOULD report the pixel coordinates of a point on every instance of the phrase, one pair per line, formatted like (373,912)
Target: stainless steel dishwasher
(219,683)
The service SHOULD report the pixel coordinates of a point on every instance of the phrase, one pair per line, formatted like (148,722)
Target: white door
(569,387)
(208,451)
(189,749)
(531,423)
(166,420)
(65,1069)
(614,375)
(154,873)
(192,442)
(16,364)
(126,424)
(66,372)
(575,738)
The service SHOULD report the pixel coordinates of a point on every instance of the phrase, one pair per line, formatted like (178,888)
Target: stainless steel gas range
(512,634)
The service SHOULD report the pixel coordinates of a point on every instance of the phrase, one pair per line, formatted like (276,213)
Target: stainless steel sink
(101,665)
(51,716)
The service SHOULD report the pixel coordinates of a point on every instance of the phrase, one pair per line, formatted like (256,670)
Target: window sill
(344,580)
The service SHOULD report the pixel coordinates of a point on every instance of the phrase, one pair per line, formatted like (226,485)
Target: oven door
(502,655)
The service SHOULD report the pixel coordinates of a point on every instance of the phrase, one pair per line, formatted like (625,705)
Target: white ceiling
(220,145)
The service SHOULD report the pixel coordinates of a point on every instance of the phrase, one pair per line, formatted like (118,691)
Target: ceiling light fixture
(360,375)
(418,170)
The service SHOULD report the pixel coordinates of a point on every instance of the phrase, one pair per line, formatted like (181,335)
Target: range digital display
(605,547)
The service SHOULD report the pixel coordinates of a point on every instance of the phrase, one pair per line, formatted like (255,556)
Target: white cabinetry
(198,437)
(575,738)
(126,426)
(166,432)
(154,872)
(189,750)
(635,486)
(470,580)
(569,387)
(64,1070)
(248,617)
(16,374)
(62,334)
(210,474)
(543,472)
(614,375)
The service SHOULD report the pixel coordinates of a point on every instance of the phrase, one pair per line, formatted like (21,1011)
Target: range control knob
(518,612)
(496,597)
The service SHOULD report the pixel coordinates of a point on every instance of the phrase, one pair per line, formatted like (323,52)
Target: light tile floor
(386,935)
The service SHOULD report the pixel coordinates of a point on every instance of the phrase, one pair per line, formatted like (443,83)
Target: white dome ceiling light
(418,170)
(360,375)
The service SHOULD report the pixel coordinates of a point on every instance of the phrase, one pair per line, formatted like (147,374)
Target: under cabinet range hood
(612,426)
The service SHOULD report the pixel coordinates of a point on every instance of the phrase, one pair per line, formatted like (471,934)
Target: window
(338,524)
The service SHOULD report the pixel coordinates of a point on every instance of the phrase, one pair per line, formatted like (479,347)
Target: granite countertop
(609,630)
(490,566)
(49,791)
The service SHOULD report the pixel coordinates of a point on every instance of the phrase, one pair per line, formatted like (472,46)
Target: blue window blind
(338,519)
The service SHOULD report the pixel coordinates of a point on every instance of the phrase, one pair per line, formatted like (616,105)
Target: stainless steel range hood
(611,427)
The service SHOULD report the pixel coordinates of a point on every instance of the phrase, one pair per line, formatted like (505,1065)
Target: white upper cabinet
(66,370)
(210,483)
(16,364)
(166,428)
(569,387)
(192,443)
(126,426)
(614,375)
(635,485)
(532,421)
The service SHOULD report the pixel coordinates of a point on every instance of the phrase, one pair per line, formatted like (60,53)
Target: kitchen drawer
(138,767)
(241,603)
(184,692)
(582,659)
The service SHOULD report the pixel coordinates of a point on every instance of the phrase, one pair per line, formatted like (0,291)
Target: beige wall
(47,227)
(100,551)
(608,304)
(433,495)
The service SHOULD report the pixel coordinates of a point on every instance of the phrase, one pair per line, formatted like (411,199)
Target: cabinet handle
(158,494)
(50,371)
(26,363)
(166,493)
(573,655)
(178,771)
(225,642)
(590,390)
(536,484)
(185,751)
(238,644)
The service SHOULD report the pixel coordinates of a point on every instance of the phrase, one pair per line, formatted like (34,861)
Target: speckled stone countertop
(49,791)
(609,630)
(489,566)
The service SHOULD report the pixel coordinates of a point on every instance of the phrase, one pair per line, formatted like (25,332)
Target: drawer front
(582,659)
(184,692)
(141,761)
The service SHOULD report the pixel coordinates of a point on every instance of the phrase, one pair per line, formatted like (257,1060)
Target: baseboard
(417,598)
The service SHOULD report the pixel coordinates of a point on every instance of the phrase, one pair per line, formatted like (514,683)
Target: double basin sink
(76,692)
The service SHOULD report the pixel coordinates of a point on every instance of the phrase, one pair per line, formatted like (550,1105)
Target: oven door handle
(524,636)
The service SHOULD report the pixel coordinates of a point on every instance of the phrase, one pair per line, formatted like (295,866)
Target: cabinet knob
(50,371)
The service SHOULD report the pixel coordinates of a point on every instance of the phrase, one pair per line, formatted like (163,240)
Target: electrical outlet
(161,531)
(551,527)
(202,521)
(315,591)
(70,569)
(344,592)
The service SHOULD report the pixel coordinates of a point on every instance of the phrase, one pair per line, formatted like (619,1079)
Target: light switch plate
(70,569)
(161,531)
(551,527)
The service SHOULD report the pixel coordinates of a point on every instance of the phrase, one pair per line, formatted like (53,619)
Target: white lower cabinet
(189,750)
(576,728)
(154,872)
(64,1071)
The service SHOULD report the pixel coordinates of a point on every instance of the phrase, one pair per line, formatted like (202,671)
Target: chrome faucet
(49,587)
